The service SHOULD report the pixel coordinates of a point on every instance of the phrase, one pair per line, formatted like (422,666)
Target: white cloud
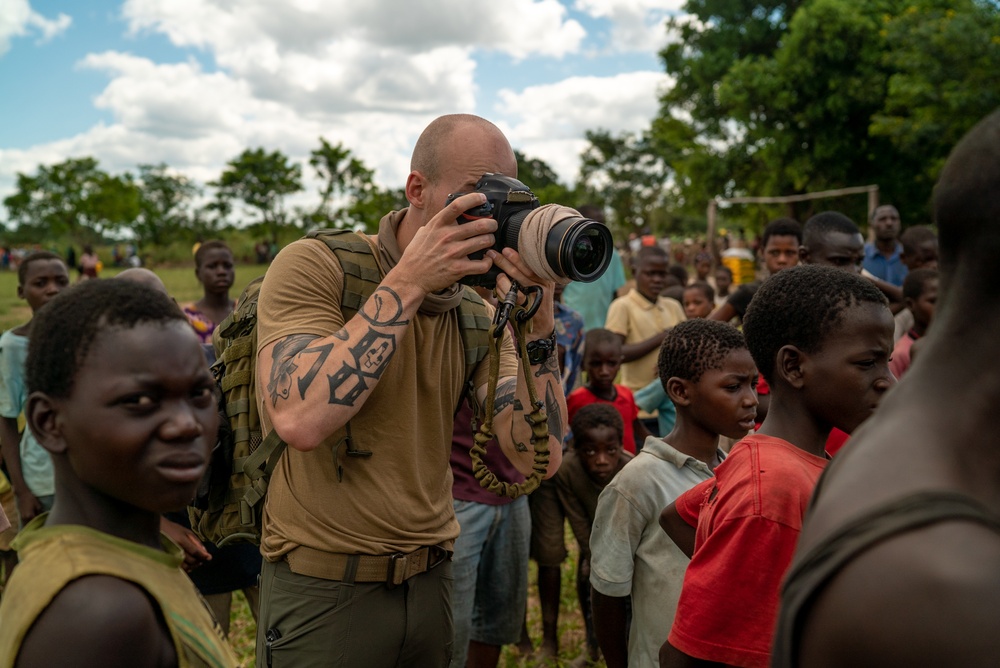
(549,122)
(17,19)
(636,25)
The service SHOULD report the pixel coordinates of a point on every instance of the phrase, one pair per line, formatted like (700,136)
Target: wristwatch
(542,349)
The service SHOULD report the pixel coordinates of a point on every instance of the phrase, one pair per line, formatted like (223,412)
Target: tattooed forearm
(555,420)
(305,381)
(371,355)
(384,309)
(505,396)
(285,351)
(549,366)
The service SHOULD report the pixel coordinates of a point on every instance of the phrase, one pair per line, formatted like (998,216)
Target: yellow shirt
(637,319)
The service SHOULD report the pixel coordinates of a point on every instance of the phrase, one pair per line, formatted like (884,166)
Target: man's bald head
(427,153)
(145,277)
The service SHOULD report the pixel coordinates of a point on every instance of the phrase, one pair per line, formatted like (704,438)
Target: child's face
(846,378)
(602,363)
(781,252)
(696,304)
(651,277)
(839,250)
(216,271)
(43,281)
(926,256)
(599,449)
(923,306)
(723,280)
(702,267)
(724,400)
(139,427)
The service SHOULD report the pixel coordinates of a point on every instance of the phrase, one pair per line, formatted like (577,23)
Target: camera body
(508,201)
(564,247)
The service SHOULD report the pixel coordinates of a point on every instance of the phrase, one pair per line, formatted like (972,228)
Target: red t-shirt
(624,403)
(748,519)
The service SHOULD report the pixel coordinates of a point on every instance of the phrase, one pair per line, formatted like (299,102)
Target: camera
(572,247)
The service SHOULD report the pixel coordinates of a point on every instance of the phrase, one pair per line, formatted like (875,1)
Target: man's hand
(514,268)
(195,553)
(438,254)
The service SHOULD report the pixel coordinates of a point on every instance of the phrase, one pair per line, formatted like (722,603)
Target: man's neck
(693,440)
(886,247)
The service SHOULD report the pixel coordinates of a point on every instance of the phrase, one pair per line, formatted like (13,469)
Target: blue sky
(193,83)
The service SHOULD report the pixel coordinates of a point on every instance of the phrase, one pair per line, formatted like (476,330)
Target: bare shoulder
(99,620)
(929,597)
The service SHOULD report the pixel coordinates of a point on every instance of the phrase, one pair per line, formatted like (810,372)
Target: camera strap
(537,419)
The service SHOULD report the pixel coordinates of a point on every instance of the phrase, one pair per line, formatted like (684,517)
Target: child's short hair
(914,237)
(597,336)
(781,227)
(916,281)
(22,269)
(799,306)
(725,269)
(705,288)
(822,224)
(650,252)
(596,415)
(679,272)
(204,248)
(66,327)
(694,346)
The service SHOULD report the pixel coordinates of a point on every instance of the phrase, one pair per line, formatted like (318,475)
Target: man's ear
(42,416)
(416,189)
(804,254)
(788,365)
(679,391)
(20,291)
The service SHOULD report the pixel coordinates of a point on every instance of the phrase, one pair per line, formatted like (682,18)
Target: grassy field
(180,282)
(183,286)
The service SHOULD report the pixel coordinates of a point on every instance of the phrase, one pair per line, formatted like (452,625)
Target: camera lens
(579,248)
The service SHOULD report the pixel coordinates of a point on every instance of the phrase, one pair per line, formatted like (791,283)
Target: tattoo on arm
(371,355)
(387,307)
(549,366)
(285,351)
(505,396)
(554,413)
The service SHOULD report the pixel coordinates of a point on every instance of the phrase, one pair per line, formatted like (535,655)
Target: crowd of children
(702,425)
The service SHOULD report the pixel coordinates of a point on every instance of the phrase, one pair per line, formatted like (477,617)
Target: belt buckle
(395,561)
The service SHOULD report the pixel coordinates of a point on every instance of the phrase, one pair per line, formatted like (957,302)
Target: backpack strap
(361,272)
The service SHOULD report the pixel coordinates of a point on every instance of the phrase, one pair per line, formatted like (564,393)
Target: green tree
(261,181)
(345,179)
(73,198)
(165,201)
(781,98)
(543,181)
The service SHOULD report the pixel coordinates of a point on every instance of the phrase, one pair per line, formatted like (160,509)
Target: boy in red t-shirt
(602,358)
(823,339)
(920,291)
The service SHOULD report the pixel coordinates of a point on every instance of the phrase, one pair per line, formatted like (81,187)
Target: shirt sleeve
(689,503)
(617,319)
(11,380)
(579,522)
(614,540)
(729,603)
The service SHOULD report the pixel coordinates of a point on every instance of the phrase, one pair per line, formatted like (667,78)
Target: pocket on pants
(313,618)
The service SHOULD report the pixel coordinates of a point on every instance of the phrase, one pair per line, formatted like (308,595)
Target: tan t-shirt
(637,319)
(399,498)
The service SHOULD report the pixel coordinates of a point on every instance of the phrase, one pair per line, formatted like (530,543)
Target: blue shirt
(891,269)
(36,464)
(569,335)
(591,300)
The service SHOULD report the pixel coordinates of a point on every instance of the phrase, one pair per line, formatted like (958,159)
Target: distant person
(591,300)
(215,269)
(920,291)
(642,319)
(710,377)
(602,359)
(698,300)
(779,249)
(823,338)
(703,269)
(883,257)
(90,264)
(897,561)
(920,251)
(130,434)
(596,458)
(723,283)
(40,277)
(570,329)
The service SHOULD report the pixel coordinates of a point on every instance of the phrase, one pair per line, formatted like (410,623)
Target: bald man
(145,277)
(357,548)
